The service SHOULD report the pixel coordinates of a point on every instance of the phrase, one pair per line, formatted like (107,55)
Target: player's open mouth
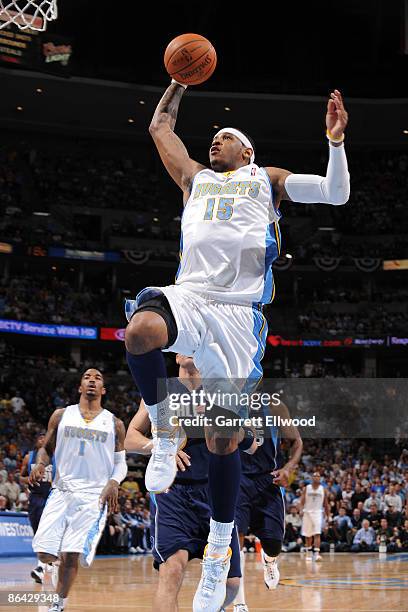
(214,150)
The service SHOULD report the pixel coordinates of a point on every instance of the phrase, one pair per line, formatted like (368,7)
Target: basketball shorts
(226,341)
(261,508)
(36,504)
(311,523)
(180,520)
(71,522)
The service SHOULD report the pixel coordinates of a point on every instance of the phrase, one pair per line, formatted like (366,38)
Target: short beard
(219,166)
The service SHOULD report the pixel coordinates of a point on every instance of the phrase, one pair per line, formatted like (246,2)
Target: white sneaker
(37,574)
(271,572)
(241,608)
(162,467)
(57,607)
(211,591)
(317,557)
(132,550)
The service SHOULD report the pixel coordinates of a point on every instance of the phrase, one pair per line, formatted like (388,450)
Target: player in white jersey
(230,237)
(312,503)
(87,442)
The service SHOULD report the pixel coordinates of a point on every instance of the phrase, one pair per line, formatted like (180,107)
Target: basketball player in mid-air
(313,502)
(230,237)
(88,444)
(261,501)
(38,495)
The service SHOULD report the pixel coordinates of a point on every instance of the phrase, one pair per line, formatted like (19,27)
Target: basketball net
(28,14)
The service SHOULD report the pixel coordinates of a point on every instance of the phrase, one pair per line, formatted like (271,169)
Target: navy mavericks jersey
(196,448)
(45,484)
(267,458)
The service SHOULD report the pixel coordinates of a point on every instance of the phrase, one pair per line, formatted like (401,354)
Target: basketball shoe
(241,608)
(58,606)
(211,591)
(37,574)
(162,467)
(271,571)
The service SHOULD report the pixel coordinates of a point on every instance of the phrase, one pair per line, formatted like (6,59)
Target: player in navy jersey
(261,501)
(229,238)
(181,517)
(38,496)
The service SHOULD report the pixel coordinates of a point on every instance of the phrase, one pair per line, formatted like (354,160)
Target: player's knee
(173,569)
(46,557)
(141,335)
(221,445)
(272,547)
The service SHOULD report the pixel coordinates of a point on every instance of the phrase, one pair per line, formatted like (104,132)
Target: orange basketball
(190,59)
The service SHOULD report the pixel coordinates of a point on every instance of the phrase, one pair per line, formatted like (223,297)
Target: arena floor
(340,582)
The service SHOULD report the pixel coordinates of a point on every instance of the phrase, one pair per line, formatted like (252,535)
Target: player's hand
(109,496)
(281,477)
(337,116)
(183,460)
(36,475)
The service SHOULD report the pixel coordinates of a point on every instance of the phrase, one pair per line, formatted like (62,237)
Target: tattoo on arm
(167,109)
(120,434)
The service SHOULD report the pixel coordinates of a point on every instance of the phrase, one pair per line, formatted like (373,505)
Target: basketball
(190,59)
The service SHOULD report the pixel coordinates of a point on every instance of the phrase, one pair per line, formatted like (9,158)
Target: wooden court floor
(341,582)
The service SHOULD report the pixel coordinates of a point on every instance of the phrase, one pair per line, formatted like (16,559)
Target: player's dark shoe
(37,574)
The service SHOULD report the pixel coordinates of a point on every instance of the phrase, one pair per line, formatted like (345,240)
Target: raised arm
(172,151)
(47,449)
(334,188)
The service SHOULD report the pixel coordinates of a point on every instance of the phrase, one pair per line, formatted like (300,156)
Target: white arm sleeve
(120,467)
(334,188)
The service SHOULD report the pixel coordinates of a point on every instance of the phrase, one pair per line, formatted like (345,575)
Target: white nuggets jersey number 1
(230,236)
(84,452)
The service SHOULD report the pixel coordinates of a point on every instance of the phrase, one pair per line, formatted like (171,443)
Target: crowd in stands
(367,497)
(48,299)
(39,178)
(375,320)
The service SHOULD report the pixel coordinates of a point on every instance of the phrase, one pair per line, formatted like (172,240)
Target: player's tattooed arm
(46,451)
(172,151)
(120,434)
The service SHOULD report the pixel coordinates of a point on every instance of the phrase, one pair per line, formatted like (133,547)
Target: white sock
(160,414)
(240,598)
(219,538)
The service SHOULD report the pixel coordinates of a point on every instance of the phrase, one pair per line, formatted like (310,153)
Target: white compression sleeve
(120,467)
(334,188)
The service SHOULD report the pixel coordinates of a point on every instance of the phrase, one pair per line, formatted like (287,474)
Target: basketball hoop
(28,14)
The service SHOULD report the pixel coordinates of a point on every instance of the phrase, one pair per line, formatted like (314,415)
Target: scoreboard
(41,51)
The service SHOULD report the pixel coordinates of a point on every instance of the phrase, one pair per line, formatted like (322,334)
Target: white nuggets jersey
(84,452)
(230,236)
(314,499)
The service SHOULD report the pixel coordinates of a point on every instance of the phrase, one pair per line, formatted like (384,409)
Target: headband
(245,141)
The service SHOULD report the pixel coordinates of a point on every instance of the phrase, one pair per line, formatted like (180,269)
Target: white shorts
(226,341)
(311,523)
(71,522)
